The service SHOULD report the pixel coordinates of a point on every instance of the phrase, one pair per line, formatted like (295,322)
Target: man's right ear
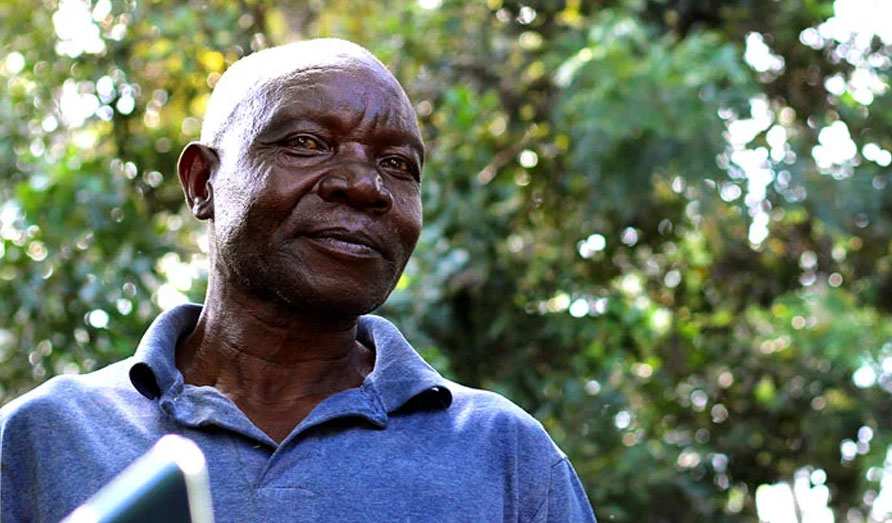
(196,165)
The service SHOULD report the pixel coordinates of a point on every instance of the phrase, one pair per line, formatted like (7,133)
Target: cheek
(244,196)
(288,178)
(267,181)
(410,217)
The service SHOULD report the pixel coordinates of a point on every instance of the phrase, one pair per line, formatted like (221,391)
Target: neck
(268,357)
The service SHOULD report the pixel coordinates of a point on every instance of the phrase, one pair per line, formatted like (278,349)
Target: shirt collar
(399,375)
(154,370)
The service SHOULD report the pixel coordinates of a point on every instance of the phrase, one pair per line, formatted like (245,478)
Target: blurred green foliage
(661,226)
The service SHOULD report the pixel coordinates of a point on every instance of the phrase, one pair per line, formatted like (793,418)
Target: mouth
(346,243)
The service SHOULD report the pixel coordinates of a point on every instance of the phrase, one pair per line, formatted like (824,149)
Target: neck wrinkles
(251,349)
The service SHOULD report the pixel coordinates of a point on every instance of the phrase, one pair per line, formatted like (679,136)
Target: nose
(358,185)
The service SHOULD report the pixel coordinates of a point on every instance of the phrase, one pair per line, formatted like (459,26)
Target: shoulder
(69,396)
(56,446)
(502,421)
(488,403)
(498,435)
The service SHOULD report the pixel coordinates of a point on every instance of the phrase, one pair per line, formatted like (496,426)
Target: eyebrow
(400,137)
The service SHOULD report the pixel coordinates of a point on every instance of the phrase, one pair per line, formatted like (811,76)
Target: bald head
(253,86)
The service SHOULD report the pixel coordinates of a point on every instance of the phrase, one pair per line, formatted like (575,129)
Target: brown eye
(396,163)
(307,142)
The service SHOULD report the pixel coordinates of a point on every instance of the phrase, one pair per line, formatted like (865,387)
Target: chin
(337,304)
(321,296)
(330,291)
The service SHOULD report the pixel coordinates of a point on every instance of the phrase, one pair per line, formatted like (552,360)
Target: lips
(342,241)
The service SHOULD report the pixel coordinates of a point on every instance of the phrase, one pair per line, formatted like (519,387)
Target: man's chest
(331,473)
(365,477)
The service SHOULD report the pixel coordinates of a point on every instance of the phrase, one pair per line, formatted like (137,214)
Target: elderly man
(308,174)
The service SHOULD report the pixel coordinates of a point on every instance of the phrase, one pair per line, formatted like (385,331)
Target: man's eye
(308,143)
(397,163)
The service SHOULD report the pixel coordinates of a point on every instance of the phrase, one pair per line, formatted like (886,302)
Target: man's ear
(196,166)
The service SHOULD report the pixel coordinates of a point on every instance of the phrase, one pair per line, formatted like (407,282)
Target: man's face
(320,209)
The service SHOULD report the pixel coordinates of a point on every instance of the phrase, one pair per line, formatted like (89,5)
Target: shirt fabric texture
(406,445)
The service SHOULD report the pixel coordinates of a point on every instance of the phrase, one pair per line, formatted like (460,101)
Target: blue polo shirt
(407,445)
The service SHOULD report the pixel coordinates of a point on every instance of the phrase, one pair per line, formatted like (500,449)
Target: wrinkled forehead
(356,90)
(256,86)
(350,102)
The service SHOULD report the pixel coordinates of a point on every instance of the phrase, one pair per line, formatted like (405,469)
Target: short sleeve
(566,499)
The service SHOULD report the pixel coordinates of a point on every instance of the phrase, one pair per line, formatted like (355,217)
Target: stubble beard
(263,270)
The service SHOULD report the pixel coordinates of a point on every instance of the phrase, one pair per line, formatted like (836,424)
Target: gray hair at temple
(247,91)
